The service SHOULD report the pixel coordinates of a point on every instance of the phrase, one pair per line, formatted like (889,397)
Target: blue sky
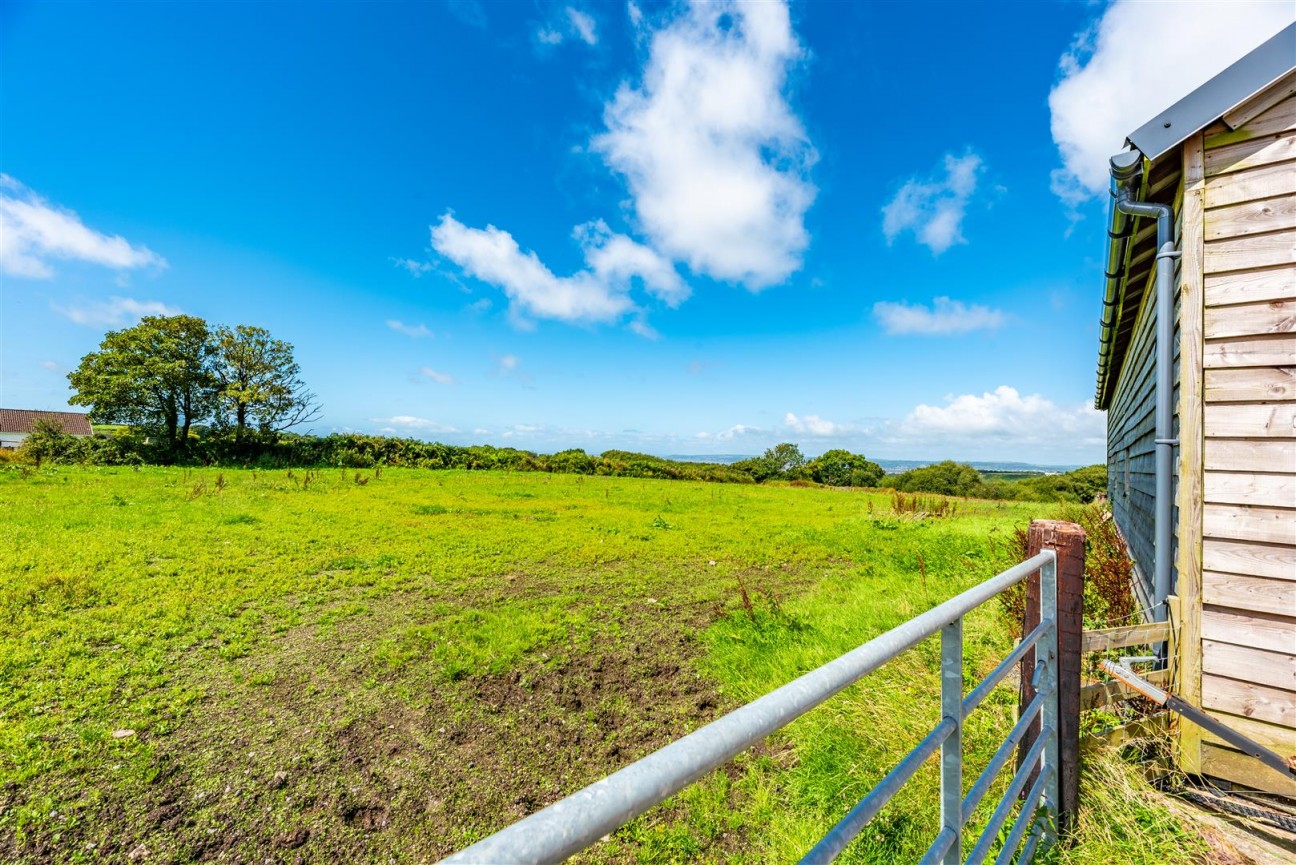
(672,228)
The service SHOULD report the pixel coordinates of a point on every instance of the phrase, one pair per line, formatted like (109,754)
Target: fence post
(1068,541)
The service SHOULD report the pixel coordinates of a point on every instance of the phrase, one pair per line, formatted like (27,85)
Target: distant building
(17,423)
(1215,541)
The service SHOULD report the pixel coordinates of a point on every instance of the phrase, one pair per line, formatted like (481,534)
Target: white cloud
(549,36)
(34,232)
(715,159)
(114,311)
(417,331)
(1006,416)
(814,425)
(945,316)
(932,209)
(433,375)
(409,423)
(50,365)
(738,431)
(600,293)
(508,363)
(634,13)
(1137,60)
(415,268)
(583,24)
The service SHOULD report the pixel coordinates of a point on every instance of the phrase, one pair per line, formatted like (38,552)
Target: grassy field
(385,666)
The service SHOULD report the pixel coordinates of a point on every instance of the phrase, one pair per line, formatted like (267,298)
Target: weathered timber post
(1068,541)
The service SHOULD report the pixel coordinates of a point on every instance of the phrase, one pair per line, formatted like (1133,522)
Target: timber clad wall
(1248,431)
(1131,430)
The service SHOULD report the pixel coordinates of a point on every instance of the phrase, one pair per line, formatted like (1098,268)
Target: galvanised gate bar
(576,822)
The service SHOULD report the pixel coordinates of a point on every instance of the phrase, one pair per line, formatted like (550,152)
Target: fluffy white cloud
(418,331)
(34,232)
(1004,415)
(433,375)
(814,425)
(715,159)
(583,24)
(599,293)
(932,208)
(945,316)
(508,363)
(114,311)
(1137,60)
(409,423)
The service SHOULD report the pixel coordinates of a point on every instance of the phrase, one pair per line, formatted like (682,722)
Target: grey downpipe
(1125,171)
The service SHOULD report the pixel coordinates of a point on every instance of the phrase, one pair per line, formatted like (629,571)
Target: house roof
(21,420)
(1212,101)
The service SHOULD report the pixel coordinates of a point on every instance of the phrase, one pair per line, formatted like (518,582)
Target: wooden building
(1224,158)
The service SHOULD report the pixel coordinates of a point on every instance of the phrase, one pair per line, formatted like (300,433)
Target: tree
(259,382)
(158,375)
(841,468)
(776,462)
(948,478)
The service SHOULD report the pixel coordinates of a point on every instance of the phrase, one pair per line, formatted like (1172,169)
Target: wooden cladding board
(1271,669)
(1273,736)
(1272,283)
(1255,153)
(1252,384)
(1262,594)
(1241,769)
(1251,488)
(1242,522)
(1241,252)
(1252,319)
(1278,119)
(1250,351)
(1246,698)
(1263,631)
(1253,217)
(1243,455)
(1243,420)
(1267,181)
(1275,561)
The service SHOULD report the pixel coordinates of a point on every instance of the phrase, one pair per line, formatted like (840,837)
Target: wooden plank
(1271,669)
(1266,182)
(1241,455)
(1113,690)
(1252,420)
(1251,488)
(1251,154)
(1251,217)
(1251,319)
(1274,283)
(1251,384)
(1275,737)
(1150,727)
(1263,101)
(1249,523)
(1280,118)
(1248,628)
(1257,594)
(1188,492)
(1248,699)
(1105,639)
(1275,561)
(1238,768)
(1250,351)
(1258,250)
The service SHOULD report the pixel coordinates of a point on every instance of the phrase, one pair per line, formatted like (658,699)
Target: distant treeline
(784,462)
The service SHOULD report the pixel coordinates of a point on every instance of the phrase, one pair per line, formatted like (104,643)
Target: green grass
(343,666)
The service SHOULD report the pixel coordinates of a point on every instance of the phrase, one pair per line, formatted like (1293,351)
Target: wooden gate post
(1068,541)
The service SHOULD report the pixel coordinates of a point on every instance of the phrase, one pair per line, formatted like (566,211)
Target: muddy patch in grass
(310,750)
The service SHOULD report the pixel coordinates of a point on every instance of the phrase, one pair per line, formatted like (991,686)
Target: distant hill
(895,467)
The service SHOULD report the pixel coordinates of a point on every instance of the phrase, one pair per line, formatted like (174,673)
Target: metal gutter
(1119,232)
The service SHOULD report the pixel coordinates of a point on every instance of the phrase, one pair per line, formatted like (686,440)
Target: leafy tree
(948,478)
(841,468)
(779,461)
(158,375)
(47,441)
(259,382)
